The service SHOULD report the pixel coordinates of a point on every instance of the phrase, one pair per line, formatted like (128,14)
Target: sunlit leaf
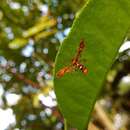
(17,43)
(43,19)
(39,27)
(102,25)
(45,34)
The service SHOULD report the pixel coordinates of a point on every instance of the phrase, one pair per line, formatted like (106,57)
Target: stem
(65,124)
(103,117)
(21,77)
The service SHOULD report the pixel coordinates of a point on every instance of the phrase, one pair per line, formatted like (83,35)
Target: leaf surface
(103,25)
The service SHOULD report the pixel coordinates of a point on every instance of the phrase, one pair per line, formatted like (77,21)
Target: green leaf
(17,43)
(103,25)
(40,26)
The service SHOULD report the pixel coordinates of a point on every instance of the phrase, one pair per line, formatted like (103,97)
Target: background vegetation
(31,32)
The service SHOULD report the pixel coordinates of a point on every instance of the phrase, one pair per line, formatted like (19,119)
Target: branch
(107,123)
(92,127)
(21,77)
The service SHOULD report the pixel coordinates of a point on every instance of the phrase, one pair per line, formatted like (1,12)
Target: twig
(92,127)
(21,77)
(107,123)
